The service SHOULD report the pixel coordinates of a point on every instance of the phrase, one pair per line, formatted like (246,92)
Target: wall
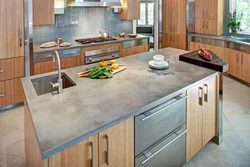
(79,22)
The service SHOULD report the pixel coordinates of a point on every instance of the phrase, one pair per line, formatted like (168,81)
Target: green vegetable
(100,72)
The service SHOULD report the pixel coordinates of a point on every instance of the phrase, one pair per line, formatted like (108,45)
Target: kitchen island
(54,123)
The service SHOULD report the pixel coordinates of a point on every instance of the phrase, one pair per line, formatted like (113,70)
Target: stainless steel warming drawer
(155,124)
(169,152)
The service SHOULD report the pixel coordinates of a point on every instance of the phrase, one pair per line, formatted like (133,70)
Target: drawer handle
(20,37)
(205,92)
(2,71)
(70,53)
(92,154)
(48,56)
(200,96)
(2,95)
(107,152)
(242,59)
(157,152)
(157,112)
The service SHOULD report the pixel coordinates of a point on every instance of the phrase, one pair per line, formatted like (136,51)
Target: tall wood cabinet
(209,17)
(239,64)
(11,52)
(43,12)
(130,10)
(201,115)
(174,24)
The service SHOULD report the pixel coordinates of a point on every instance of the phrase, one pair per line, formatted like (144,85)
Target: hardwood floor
(233,152)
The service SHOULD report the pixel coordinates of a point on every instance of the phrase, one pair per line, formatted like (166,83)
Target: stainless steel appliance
(160,135)
(85,3)
(94,56)
(95,40)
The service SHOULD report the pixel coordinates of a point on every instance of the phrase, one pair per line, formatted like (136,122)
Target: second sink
(43,86)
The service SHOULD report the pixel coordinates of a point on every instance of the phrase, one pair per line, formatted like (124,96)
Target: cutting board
(216,63)
(121,68)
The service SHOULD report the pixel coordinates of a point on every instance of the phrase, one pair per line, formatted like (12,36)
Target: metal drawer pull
(2,70)
(237,57)
(107,152)
(157,112)
(70,53)
(48,56)
(2,95)
(21,37)
(242,59)
(205,92)
(200,96)
(157,152)
(202,13)
(92,154)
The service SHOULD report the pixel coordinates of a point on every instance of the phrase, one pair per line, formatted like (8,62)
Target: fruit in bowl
(205,54)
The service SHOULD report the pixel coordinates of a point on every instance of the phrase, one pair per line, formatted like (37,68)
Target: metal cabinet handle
(161,149)
(207,24)
(174,38)
(48,56)
(170,28)
(157,112)
(20,37)
(207,13)
(203,24)
(174,28)
(202,13)
(242,59)
(2,71)
(205,92)
(92,154)
(70,53)
(171,38)
(200,92)
(2,95)
(107,152)
(237,57)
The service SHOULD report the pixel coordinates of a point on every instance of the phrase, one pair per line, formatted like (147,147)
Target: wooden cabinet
(219,51)
(111,148)
(43,12)
(11,29)
(174,24)
(116,145)
(49,66)
(209,17)
(11,92)
(201,115)
(239,64)
(11,68)
(134,50)
(130,10)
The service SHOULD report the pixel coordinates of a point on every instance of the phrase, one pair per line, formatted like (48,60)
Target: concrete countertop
(92,106)
(224,38)
(74,44)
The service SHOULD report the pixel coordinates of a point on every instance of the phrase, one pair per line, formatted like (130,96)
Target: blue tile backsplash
(81,23)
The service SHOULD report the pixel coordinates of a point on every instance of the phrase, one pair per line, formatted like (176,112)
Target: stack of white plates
(158,63)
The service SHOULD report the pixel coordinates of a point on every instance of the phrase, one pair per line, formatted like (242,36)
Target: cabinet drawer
(11,68)
(159,121)
(11,92)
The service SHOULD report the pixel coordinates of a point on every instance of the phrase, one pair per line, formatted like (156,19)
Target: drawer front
(159,121)
(70,53)
(128,44)
(11,92)
(11,68)
(171,151)
(43,57)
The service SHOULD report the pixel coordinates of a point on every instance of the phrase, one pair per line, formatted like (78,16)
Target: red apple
(203,50)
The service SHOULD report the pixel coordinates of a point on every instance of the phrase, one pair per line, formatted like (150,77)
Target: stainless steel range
(93,56)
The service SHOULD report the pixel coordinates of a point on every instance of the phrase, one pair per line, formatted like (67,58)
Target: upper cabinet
(43,12)
(209,17)
(130,10)
(174,23)
(11,29)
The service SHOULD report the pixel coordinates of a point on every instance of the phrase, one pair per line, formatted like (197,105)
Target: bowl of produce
(205,54)
(122,34)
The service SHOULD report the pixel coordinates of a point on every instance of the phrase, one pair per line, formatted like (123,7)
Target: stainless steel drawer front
(170,151)
(208,41)
(238,47)
(153,125)
(70,53)
(43,57)
(128,44)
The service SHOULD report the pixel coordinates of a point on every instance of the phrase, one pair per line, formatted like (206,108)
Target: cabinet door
(229,59)
(43,12)
(245,67)
(198,9)
(195,46)
(180,41)
(128,51)
(44,67)
(141,49)
(219,51)
(11,29)
(194,121)
(167,40)
(116,145)
(209,109)
(130,10)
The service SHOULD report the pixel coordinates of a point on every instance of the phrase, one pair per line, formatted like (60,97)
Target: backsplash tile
(78,22)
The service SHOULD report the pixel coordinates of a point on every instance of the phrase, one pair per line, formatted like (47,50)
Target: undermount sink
(43,86)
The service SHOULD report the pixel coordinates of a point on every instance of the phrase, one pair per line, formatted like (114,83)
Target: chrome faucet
(57,85)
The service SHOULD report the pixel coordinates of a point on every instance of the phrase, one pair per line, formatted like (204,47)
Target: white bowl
(159,59)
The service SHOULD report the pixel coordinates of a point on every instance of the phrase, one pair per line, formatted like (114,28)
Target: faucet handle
(54,85)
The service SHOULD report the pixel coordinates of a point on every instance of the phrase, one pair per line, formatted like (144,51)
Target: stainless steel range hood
(86,3)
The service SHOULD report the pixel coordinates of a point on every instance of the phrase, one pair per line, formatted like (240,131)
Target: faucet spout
(58,85)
